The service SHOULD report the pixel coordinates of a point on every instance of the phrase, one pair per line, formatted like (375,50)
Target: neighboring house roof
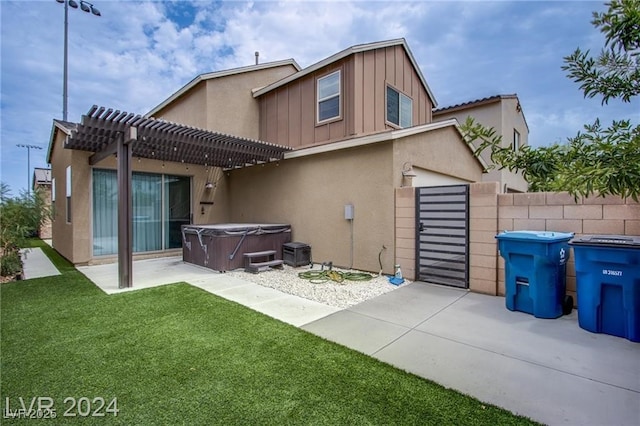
(65,126)
(218,74)
(479,102)
(382,137)
(41,176)
(343,54)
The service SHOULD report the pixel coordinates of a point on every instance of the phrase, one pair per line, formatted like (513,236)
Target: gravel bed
(340,295)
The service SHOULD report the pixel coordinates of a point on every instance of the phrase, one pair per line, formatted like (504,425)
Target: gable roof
(476,102)
(64,126)
(343,54)
(218,74)
(479,102)
(41,176)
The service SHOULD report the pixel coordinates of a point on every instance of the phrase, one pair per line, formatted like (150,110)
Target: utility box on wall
(348,211)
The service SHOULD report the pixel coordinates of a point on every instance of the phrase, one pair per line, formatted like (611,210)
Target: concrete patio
(549,370)
(148,273)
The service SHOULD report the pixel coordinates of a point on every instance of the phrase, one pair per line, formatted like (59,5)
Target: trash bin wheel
(567,306)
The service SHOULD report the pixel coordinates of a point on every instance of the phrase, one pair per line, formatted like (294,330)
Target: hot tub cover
(234,229)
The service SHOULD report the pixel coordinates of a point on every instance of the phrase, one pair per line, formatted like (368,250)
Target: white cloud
(139,53)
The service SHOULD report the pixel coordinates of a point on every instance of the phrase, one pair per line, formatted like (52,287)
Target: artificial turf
(178,355)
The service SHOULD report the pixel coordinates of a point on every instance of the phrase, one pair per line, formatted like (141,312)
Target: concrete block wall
(491,213)
(483,226)
(405,224)
(561,212)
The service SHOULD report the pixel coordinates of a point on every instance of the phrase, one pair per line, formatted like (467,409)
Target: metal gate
(442,235)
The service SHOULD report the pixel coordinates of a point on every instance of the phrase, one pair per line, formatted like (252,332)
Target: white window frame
(326,98)
(516,140)
(53,199)
(68,194)
(401,117)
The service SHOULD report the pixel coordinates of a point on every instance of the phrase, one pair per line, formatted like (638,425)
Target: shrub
(20,218)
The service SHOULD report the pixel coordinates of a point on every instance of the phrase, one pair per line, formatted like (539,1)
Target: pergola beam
(107,151)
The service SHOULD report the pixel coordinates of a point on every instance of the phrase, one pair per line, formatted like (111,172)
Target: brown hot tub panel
(222,246)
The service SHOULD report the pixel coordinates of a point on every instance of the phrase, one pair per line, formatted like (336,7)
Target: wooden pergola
(106,132)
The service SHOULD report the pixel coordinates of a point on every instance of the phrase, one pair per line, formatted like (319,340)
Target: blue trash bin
(535,272)
(608,284)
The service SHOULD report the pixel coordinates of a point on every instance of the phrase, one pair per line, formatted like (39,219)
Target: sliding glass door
(147,212)
(177,209)
(105,212)
(161,203)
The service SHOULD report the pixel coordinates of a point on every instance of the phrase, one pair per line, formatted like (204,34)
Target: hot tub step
(266,253)
(263,266)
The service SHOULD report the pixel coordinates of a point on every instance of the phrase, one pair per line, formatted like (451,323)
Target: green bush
(20,218)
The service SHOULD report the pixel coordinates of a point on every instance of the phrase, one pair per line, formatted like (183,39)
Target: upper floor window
(329,97)
(516,140)
(399,108)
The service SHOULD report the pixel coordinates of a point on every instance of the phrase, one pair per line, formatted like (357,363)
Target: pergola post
(125,210)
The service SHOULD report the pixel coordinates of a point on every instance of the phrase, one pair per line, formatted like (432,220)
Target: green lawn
(178,355)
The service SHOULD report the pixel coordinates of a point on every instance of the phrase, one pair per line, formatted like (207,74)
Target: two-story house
(350,129)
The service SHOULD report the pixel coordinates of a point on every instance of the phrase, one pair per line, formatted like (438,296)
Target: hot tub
(222,246)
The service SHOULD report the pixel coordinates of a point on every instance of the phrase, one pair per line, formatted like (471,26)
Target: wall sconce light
(208,185)
(407,170)
(408,174)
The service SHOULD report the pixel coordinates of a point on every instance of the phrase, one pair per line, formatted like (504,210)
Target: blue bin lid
(540,236)
(624,241)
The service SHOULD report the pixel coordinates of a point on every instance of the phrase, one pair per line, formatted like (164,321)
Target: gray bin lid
(539,236)
(624,241)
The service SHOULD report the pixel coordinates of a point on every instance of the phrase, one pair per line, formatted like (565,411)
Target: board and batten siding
(288,113)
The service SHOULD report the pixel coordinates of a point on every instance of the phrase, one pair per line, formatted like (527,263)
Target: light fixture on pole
(20,145)
(86,7)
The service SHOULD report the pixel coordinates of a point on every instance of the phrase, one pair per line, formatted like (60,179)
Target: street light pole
(65,76)
(86,7)
(28,163)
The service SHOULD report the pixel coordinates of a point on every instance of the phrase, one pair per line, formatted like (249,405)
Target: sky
(138,53)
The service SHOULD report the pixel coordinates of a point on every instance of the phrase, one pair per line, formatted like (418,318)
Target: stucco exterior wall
(224,104)
(288,113)
(61,231)
(442,151)
(405,224)
(310,193)
(189,109)
(71,238)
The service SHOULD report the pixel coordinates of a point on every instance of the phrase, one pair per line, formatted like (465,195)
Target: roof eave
(57,124)
(475,103)
(385,136)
